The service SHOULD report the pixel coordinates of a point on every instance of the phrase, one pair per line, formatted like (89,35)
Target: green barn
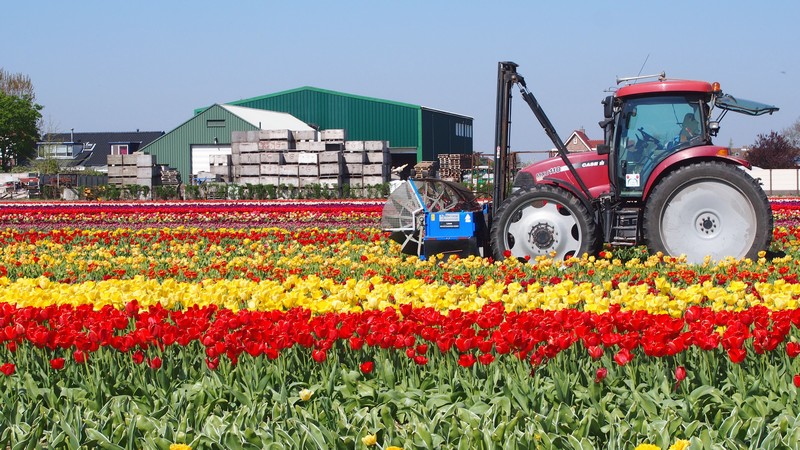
(415,133)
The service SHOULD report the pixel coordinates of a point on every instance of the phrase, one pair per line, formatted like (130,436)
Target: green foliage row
(111,402)
(229,191)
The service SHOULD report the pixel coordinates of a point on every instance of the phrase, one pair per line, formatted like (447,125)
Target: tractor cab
(649,122)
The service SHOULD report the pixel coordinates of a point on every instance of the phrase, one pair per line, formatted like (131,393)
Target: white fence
(778,181)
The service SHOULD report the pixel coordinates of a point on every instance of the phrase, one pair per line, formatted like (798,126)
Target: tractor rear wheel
(708,209)
(543,220)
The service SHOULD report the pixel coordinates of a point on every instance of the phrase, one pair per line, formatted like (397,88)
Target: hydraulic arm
(507,76)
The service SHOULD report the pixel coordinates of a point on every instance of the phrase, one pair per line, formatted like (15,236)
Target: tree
(773,151)
(19,119)
(792,133)
(16,84)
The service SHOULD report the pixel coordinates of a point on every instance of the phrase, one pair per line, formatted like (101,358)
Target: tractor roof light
(715,88)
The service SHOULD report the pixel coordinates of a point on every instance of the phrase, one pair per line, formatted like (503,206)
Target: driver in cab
(689,129)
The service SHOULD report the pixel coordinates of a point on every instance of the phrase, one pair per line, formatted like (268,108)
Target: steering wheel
(646,137)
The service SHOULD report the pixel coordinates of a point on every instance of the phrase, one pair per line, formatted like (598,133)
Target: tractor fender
(684,157)
(572,189)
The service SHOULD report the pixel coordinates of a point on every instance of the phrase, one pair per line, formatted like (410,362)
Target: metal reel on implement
(413,213)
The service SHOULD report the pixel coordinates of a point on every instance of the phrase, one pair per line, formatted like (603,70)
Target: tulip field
(299,324)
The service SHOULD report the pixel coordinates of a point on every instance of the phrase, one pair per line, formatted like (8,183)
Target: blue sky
(122,66)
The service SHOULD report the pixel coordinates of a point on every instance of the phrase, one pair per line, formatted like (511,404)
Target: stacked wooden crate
(424,169)
(167,176)
(377,162)
(221,166)
(366,163)
(278,158)
(246,159)
(453,165)
(137,168)
(304,158)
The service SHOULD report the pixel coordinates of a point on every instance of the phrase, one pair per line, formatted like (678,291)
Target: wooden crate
(249,158)
(353,157)
(290,181)
(377,157)
(353,169)
(310,146)
(329,169)
(249,180)
(250,170)
(308,170)
(275,145)
(270,169)
(275,135)
(272,158)
(329,157)
(289,170)
(270,179)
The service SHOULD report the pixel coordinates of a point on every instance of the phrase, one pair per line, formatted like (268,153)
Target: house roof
(97,145)
(590,143)
(267,120)
(324,91)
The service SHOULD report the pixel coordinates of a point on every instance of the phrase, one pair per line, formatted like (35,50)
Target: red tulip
(57,363)
(138,357)
(356,343)
(367,367)
(737,355)
(212,363)
(8,369)
(466,360)
(600,375)
(155,363)
(623,357)
(486,359)
(680,375)
(595,351)
(80,356)
(792,349)
(796,380)
(319,355)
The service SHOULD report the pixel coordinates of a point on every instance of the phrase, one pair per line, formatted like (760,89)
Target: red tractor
(657,180)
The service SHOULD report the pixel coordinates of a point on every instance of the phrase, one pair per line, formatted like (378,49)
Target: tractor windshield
(649,130)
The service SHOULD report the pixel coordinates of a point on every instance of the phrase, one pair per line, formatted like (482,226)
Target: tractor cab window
(649,130)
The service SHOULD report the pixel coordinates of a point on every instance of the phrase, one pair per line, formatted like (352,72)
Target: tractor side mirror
(603,149)
(608,107)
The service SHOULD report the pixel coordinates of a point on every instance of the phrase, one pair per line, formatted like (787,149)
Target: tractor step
(626,226)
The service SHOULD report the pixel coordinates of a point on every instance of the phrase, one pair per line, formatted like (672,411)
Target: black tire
(542,220)
(708,209)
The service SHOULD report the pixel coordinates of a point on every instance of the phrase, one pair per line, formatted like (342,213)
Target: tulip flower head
(369,440)
(600,375)
(680,375)
(57,363)
(367,367)
(305,394)
(8,369)
(680,444)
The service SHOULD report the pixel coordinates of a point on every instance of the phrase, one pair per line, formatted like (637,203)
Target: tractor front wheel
(543,221)
(708,209)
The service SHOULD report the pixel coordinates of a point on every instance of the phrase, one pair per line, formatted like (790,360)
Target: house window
(215,123)
(119,149)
